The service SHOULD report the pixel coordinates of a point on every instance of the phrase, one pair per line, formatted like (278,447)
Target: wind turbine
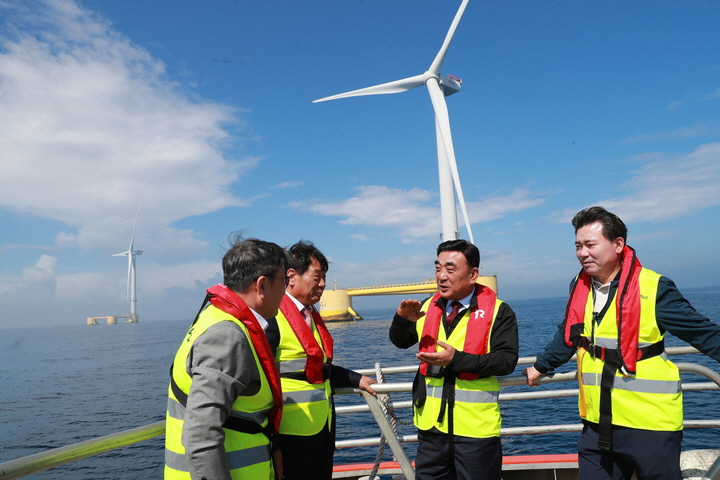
(439,86)
(131,287)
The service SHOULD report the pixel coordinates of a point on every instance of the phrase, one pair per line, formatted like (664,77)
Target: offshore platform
(336,304)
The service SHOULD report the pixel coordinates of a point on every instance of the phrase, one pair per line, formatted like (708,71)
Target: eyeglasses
(284,278)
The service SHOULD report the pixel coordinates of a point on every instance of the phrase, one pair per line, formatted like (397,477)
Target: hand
(441,358)
(365,383)
(410,310)
(532,375)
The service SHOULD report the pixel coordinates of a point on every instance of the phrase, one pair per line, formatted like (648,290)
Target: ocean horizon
(66,384)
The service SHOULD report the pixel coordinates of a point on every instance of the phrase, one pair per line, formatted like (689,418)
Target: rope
(386,404)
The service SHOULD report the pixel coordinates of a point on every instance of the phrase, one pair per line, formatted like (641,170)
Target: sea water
(63,385)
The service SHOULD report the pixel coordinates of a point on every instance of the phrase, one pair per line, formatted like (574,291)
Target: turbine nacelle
(450,84)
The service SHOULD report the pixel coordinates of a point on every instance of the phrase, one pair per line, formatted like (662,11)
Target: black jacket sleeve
(675,314)
(341,377)
(403,332)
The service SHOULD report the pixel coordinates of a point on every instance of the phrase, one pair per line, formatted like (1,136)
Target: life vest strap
(246,426)
(612,363)
(612,355)
(231,423)
(303,376)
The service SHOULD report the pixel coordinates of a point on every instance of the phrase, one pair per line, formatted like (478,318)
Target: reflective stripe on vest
(177,411)
(304,396)
(464,395)
(238,459)
(652,398)
(636,384)
(476,410)
(292,366)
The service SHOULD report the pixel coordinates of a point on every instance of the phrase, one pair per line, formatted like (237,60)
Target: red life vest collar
(229,302)
(315,353)
(627,307)
(482,312)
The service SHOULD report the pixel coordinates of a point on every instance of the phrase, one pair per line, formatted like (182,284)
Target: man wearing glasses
(225,401)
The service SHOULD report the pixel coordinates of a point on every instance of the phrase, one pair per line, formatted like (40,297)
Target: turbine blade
(442,118)
(132,238)
(440,57)
(396,86)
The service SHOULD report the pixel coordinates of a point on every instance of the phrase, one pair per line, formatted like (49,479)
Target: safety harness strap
(613,363)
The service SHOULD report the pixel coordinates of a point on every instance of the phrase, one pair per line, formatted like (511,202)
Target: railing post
(389,435)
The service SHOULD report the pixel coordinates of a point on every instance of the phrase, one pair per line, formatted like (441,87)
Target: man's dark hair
(301,255)
(613,227)
(248,259)
(471,252)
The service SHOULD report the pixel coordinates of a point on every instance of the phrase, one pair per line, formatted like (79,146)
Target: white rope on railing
(387,407)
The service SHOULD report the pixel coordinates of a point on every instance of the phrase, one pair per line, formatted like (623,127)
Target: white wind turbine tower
(439,86)
(131,287)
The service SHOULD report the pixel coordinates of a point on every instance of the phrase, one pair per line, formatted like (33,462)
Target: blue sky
(202,113)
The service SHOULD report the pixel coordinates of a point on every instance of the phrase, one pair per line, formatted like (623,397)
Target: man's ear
(261,284)
(619,244)
(474,273)
(292,273)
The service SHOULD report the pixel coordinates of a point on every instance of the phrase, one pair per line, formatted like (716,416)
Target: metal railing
(59,456)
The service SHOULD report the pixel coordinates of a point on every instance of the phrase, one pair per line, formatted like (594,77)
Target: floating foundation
(112,319)
(336,304)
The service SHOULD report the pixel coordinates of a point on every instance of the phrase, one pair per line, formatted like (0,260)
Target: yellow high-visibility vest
(248,455)
(652,398)
(476,413)
(306,406)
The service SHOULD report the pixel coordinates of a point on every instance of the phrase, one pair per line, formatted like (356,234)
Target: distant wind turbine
(130,253)
(439,86)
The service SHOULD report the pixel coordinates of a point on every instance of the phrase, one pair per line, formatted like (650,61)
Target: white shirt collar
(465,302)
(599,286)
(297,302)
(263,323)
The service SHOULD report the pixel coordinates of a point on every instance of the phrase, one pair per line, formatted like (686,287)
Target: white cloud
(664,188)
(360,237)
(407,268)
(413,213)
(405,211)
(498,206)
(38,278)
(684,133)
(714,95)
(91,126)
(285,185)
(671,188)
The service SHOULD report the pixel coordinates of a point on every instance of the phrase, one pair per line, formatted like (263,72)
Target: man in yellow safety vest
(467,337)
(224,399)
(304,355)
(616,318)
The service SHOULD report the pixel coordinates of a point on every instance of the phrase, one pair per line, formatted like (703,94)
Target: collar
(297,303)
(608,287)
(263,323)
(603,288)
(465,301)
